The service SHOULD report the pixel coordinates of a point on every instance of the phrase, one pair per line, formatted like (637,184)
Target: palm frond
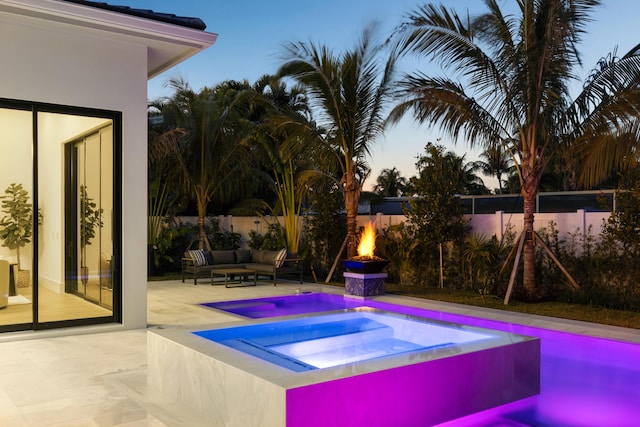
(444,102)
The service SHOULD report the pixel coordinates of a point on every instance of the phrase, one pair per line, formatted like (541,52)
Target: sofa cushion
(198,256)
(269,257)
(223,257)
(257,256)
(243,256)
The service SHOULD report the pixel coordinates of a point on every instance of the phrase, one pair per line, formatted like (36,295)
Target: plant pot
(84,275)
(24,279)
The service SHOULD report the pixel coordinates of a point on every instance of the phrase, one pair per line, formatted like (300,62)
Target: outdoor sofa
(198,263)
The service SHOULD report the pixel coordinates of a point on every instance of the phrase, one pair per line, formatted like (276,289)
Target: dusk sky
(251,34)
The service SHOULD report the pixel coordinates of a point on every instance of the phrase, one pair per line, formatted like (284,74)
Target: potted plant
(90,218)
(16,226)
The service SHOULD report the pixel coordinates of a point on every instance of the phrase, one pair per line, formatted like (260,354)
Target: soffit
(167,44)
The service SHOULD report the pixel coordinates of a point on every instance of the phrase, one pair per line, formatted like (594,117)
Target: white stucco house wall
(86,55)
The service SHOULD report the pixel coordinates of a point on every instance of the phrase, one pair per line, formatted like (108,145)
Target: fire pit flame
(367,244)
(366,261)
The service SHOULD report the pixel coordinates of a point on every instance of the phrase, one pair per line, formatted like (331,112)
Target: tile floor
(98,379)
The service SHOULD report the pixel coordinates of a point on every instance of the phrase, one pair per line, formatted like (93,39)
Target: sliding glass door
(65,159)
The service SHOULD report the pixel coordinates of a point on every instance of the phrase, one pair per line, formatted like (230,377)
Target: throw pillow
(198,257)
(282,255)
(209,257)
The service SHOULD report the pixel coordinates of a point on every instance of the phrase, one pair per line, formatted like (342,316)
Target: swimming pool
(358,366)
(585,381)
(286,305)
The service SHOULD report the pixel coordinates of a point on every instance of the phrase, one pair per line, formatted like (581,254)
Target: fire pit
(364,277)
(365,265)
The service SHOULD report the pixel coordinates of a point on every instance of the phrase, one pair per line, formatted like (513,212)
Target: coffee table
(228,274)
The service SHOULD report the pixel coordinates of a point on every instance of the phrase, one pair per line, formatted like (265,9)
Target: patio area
(99,378)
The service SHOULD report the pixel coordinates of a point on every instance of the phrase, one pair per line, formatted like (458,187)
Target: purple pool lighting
(584,381)
(286,305)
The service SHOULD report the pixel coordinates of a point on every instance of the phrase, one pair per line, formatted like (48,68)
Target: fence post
(379,220)
(582,220)
(500,219)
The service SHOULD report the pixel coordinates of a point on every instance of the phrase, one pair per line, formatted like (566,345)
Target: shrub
(220,239)
(273,239)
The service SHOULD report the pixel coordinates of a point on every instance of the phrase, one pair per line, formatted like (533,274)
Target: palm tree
(349,93)
(285,154)
(390,183)
(208,154)
(465,174)
(515,72)
(497,163)
(617,150)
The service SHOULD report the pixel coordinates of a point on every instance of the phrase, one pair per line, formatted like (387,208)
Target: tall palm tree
(390,183)
(208,154)
(349,93)
(515,72)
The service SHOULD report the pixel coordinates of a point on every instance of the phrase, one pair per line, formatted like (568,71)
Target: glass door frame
(116,266)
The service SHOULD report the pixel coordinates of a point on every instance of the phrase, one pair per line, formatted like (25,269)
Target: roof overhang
(167,44)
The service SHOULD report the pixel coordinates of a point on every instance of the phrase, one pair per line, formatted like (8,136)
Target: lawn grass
(586,313)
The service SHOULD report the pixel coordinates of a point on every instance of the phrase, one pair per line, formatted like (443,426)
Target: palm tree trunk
(529,192)
(201,200)
(351,206)
(201,233)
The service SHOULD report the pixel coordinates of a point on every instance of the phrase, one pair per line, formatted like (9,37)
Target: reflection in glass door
(88,199)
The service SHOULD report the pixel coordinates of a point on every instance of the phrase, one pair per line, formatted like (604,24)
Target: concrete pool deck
(98,378)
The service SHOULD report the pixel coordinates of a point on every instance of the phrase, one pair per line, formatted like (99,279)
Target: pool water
(286,305)
(336,339)
(585,381)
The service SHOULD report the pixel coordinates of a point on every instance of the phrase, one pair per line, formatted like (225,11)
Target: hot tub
(353,367)
(338,339)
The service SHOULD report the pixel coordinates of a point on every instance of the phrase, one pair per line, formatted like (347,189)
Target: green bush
(324,231)
(220,239)
(170,246)
(272,240)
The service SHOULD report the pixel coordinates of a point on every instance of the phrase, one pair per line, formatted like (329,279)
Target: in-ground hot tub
(334,340)
(355,367)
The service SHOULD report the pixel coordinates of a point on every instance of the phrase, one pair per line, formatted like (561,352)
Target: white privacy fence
(488,225)
(566,223)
